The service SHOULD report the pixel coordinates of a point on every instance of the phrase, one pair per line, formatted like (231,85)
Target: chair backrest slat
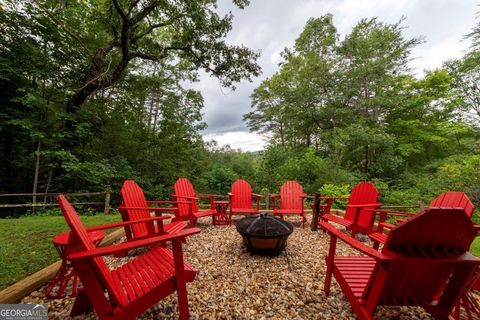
(291,195)
(133,196)
(183,187)
(241,194)
(362,193)
(453,199)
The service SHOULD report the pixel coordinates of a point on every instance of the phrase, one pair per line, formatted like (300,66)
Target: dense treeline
(93,92)
(350,109)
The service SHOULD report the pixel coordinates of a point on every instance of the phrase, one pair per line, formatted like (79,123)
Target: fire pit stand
(264,234)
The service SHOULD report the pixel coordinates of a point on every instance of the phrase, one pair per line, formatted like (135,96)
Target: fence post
(106,209)
(316,210)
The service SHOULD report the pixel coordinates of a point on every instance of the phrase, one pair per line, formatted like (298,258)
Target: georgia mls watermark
(23,311)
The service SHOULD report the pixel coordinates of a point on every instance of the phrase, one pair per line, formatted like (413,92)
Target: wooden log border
(24,287)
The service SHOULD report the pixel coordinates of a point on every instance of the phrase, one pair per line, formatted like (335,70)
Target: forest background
(96,92)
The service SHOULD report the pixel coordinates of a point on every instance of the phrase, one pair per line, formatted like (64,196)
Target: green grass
(26,243)
(475,248)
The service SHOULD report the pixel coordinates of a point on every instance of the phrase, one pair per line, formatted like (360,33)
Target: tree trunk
(50,173)
(367,165)
(316,211)
(35,179)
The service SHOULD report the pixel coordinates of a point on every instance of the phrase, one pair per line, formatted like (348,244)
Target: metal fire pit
(263,234)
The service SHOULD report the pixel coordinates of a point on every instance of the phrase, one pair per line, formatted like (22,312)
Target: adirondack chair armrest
(386,225)
(208,195)
(186,197)
(155,209)
(477,227)
(126,223)
(354,243)
(125,246)
(256,195)
(165,202)
(274,195)
(363,205)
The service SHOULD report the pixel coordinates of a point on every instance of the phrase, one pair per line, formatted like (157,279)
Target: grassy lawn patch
(475,248)
(26,243)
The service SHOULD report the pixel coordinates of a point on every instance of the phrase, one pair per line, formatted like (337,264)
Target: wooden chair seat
(379,237)
(356,271)
(205,213)
(337,219)
(154,270)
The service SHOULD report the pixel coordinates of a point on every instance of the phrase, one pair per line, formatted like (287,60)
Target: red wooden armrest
(126,223)
(166,202)
(159,209)
(187,197)
(364,205)
(207,195)
(393,213)
(125,246)
(256,195)
(354,243)
(386,225)
(274,195)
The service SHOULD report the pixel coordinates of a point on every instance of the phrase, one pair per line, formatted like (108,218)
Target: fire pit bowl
(263,234)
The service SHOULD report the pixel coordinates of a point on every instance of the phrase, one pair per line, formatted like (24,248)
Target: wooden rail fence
(105,203)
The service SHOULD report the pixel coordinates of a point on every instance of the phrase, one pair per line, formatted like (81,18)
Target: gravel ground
(232,284)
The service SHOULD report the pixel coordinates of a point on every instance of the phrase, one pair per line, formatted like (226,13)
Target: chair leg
(81,305)
(180,280)
(329,260)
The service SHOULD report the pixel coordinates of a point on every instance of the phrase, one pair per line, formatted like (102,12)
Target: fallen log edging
(20,289)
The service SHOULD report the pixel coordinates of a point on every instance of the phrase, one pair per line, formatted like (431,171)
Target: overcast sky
(268,26)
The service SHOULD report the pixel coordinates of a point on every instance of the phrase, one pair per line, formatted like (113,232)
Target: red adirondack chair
(135,206)
(291,201)
(241,198)
(129,290)
(425,262)
(469,301)
(449,199)
(358,215)
(184,191)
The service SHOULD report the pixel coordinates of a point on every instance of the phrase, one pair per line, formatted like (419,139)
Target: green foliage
(220,179)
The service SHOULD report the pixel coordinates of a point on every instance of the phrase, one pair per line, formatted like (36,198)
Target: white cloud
(246,141)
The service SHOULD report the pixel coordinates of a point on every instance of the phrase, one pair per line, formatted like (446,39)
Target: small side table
(221,218)
(57,286)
